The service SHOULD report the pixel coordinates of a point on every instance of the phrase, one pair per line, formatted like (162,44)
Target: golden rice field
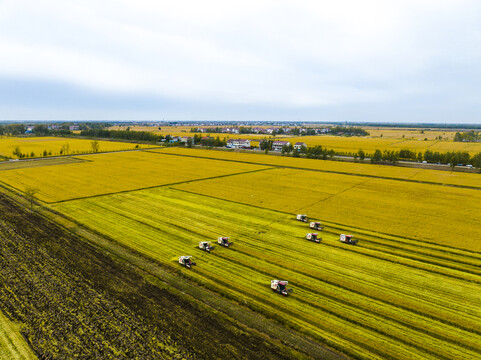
(110,173)
(374,170)
(387,297)
(53,146)
(408,290)
(12,344)
(433,213)
(371,144)
(413,134)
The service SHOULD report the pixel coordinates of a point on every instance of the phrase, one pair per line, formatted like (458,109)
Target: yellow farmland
(397,172)
(385,298)
(369,144)
(54,145)
(433,213)
(413,134)
(408,290)
(111,173)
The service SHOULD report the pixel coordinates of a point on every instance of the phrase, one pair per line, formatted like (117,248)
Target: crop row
(358,202)
(370,308)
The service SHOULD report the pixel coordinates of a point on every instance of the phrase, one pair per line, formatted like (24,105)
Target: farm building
(238,143)
(184,139)
(277,145)
(299,145)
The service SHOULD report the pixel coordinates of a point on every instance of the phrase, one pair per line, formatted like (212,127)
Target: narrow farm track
(375,307)
(12,345)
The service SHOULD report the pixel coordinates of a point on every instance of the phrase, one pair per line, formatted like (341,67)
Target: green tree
(30,195)
(476,161)
(95,146)
(361,154)
(17,152)
(377,156)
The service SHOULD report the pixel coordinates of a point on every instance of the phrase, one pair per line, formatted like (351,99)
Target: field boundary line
(324,171)
(334,195)
(154,186)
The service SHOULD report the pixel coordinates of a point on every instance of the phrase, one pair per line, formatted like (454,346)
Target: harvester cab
(280,287)
(302,218)
(313,237)
(347,239)
(206,246)
(316,225)
(224,241)
(186,261)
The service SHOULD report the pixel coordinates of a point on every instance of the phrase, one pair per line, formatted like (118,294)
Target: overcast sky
(389,61)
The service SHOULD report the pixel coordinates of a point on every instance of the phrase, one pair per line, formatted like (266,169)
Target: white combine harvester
(280,287)
(316,225)
(206,246)
(313,237)
(224,241)
(186,261)
(302,218)
(347,239)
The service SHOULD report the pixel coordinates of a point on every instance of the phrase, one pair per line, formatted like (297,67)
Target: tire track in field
(187,230)
(378,256)
(333,195)
(364,308)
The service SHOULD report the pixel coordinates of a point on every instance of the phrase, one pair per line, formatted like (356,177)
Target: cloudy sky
(389,61)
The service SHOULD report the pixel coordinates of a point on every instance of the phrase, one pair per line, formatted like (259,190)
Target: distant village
(262,130)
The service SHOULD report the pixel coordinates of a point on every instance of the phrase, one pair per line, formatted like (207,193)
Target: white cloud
(278,53)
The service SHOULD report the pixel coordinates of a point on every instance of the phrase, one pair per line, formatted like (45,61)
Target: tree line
(48,129)
(469,136)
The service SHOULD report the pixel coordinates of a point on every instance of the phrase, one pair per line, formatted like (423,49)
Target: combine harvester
(206,246)
(316,225)
(302,218)
(186,261)
(280,287)
(313,237)
(224,241)
(347,239)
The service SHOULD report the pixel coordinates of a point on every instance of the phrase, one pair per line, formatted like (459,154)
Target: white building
(238,143)
(277,145)
(298,145)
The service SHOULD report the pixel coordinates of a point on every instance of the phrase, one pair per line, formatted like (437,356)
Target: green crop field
(408,290)
(12,344)
(387,297)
